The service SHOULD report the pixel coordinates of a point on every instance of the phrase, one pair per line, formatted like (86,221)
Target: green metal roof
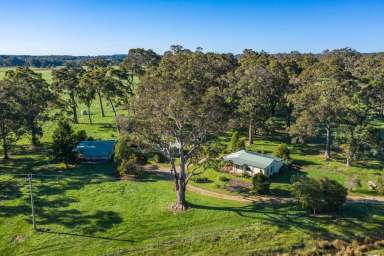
(96,149)
(257,160)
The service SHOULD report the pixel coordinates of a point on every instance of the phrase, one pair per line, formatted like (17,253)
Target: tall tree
(320,99)
(95,74)
(67,80)
(11,117)
(139,59)
(177,106)
(258,86)
(87,92)
(34,96)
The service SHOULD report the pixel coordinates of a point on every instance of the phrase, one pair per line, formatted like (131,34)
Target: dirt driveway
(164,173)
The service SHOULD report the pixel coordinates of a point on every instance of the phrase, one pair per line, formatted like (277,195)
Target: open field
(89,212)
(46,72)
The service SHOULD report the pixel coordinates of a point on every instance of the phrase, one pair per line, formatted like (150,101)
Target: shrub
(81,135)
(237,185)
(353,183)
(234,141)
(125,149)
(129,167)
(260,184)
(282,151)
(241,144)
(223,178)
(64,142)
(323,195)
(201,180)
(380,185)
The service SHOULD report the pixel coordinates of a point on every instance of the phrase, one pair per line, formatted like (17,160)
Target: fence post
(32,203)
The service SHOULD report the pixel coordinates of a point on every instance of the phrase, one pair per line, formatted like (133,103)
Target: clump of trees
(24,99)
(318,196)
(64,142)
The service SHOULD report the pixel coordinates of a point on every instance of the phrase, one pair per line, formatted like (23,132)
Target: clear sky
(92,27)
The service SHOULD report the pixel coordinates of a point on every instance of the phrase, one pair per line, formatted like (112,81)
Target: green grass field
(46,72)
(87,211)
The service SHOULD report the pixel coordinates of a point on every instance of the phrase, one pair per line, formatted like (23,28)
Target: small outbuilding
(96,150)
(249,163)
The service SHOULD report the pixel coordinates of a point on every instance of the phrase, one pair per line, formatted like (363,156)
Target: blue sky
(91,27)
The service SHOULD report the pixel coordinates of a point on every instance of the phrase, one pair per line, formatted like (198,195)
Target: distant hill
(45,61)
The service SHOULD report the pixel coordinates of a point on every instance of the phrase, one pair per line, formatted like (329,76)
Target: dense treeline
(52,60)
(179,102)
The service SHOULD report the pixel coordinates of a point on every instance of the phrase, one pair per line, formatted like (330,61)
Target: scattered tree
(11,117)
(34,96)
(323,195)
(177,106)
(67,80)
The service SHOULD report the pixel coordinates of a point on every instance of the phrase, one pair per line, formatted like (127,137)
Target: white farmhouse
(249,163)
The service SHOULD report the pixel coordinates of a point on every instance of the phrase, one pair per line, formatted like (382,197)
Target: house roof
(257,160)
(96,149)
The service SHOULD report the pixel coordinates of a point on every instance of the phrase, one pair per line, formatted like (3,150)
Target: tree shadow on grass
(9,190)
(285,176)
(361,217)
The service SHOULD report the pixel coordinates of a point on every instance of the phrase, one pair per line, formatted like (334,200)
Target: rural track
(259,199)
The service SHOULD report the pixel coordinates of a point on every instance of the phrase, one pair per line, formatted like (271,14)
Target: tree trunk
(89,114)
(348,163)
(181,203)
(112,106)
(101,105)
(114,112)
(34,136)
(180,184)
(250,132)
(74,108)
(328,144)
(5,149)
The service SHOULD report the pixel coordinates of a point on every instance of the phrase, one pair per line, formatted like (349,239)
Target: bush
(380,185)
(237,185)
(353,183)
(223,178)
(260,184)
(64,142)
(81,136)
(234,141)
(125,149)
(201,180)
(129,167)
(282,151)
(241,144)
(323,195)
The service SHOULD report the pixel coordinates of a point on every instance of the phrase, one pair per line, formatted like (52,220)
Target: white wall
(272,169)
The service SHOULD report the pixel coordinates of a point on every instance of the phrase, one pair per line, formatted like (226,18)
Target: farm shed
(249,163)
(96,150)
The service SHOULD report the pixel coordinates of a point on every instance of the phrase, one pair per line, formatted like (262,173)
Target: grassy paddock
(89,212)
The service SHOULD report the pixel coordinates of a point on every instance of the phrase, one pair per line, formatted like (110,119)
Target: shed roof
(96,149)
(257,160)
